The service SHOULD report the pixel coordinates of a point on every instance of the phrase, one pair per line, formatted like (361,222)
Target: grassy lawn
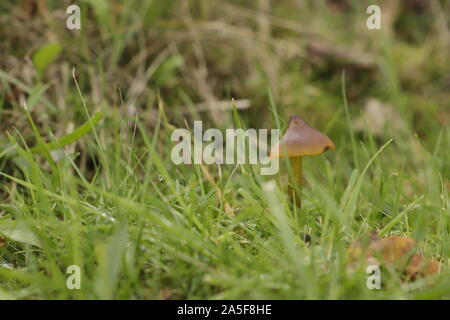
(86,176)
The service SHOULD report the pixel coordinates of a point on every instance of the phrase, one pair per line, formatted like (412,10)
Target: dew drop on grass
(160,178)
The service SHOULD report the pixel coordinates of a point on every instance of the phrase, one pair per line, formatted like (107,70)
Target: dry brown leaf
(395,252)
(421,267)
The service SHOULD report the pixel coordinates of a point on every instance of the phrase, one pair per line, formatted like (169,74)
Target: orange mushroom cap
(301,140)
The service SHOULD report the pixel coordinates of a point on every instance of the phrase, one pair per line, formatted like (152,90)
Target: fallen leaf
(395,252)
(165,294)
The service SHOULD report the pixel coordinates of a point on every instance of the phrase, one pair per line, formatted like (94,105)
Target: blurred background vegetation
(201,51)
(197,55)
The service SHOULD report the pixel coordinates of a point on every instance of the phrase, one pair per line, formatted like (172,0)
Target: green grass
(105,195)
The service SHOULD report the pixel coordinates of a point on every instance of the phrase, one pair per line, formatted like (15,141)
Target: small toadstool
(300,140)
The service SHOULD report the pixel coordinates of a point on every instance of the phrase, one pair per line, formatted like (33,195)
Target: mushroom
(300,140)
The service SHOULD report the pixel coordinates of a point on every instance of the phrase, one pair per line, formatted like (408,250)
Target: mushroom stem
(297,173)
